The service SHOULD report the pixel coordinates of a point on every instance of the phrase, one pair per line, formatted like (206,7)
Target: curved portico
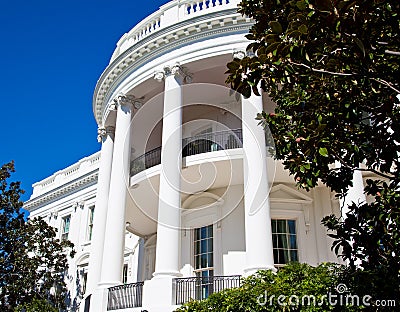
(187,168)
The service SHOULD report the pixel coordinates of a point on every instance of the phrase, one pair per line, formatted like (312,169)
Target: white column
(169,214)
(106,137)
(114,236)
(355,193)
(259,248)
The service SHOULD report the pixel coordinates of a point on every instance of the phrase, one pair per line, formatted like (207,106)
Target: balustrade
(203,143)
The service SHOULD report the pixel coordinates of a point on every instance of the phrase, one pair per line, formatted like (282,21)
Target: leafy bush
(295,287)
(36,305)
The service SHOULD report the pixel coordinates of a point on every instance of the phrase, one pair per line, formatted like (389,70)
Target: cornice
(163,41)
(62,190)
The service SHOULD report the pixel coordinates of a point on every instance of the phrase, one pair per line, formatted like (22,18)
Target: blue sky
(51,55)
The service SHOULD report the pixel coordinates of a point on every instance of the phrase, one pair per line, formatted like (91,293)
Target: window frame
(297,214)
(195,218)
(194,254)
(90,222)
(65,235)
(287,233)
(125,273)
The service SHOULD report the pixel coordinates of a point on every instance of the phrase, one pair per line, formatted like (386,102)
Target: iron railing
(149,159)
(199,288)
(211,142)
(125,296)
(203,143)
(87,304)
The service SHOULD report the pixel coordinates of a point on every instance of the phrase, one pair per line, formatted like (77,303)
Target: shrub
(36,305)
(295,287)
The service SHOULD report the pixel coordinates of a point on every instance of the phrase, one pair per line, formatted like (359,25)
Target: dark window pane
(286,258)
(210,231)
(293,255)
(281,256)
(203,232)
(293,243)
(276,260)
(281,227)
(203,247)
(203,259)
(284,241)
(210,260)
(292,226)
(273,225)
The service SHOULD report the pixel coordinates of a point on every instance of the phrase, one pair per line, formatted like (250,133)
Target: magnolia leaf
(323,151)
(276,27)
(303,29)
(302,5)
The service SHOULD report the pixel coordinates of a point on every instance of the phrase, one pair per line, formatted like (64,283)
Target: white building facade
(183,199)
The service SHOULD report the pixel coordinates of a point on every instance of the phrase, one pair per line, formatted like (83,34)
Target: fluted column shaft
(259,248)
(114,237)
(106,137)
(169,218)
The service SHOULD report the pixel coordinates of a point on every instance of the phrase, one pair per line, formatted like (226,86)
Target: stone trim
(62,190)
(164,40)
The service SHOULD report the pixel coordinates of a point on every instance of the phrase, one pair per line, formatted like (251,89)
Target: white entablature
(68,180)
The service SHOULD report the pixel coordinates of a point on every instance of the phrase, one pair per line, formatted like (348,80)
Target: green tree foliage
(332,68)
(36,305)
(295,287)
(33,263)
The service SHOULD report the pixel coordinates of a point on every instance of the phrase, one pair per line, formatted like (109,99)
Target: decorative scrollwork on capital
(177,70)
(113,106)
(123,99)
(239,54)
(174,70)
(103,131)
(159,76)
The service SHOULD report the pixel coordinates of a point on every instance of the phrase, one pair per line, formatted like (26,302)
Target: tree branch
(320,70)
(386,84)
(344,164)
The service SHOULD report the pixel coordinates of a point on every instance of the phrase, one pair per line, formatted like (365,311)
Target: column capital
(176,70)
(239,54)
(102,131)
(123,99)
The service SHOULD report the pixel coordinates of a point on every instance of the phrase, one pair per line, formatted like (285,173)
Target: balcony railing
(203,143)
(87,304)
(199,288)
(125,296)
(149,159)
(182,10)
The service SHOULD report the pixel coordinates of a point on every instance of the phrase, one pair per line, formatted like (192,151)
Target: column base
(159,294)
(107,284)
(172,274)
(99,300)
(252,270)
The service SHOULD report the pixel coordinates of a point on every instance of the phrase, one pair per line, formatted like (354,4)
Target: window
(90,222)
(84,282)
(203,260)
(65,227)
(284,241)
(125,274)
